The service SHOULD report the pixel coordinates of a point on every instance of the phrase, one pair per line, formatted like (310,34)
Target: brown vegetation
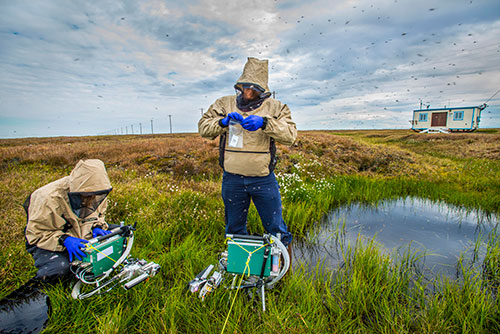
(481,144)
(188,155)
(343,155)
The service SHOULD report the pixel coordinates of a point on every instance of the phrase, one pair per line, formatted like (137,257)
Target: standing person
(63,215)
(249,157)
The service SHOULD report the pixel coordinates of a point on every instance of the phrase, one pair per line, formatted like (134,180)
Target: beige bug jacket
(257,156)
(50,214)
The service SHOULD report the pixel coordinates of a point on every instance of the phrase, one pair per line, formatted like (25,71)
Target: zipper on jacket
(247,151)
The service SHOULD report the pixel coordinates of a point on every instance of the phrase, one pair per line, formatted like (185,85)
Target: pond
(442,233)
(25,310)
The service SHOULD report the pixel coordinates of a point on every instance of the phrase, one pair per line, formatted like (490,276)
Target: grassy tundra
(170,185)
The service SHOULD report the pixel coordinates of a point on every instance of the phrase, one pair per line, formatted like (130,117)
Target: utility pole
(170,118)
(132,127)
(140,126)
(274,94)
(201,112)
(151,126)
(126,129)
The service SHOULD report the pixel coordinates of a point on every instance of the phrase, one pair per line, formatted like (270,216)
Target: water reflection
(24,311)
(441,232)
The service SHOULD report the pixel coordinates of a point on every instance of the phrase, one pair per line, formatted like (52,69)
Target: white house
(465,119)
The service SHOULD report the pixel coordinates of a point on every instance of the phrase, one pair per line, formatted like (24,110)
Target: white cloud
(103,66)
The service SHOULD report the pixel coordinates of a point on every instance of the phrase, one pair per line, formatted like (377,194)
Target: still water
(25,310)
(439,231)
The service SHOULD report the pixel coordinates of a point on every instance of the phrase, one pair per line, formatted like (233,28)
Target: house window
(422,117)
(458,115)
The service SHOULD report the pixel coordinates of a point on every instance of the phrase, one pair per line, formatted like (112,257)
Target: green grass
(371,292)
(487,130)
(309,201)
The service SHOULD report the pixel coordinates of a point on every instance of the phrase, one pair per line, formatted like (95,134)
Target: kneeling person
(63,215)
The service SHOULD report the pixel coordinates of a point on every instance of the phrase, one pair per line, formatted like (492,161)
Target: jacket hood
(255,72)
(89,176)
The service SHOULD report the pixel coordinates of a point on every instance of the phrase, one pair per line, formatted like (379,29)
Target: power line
(492,96)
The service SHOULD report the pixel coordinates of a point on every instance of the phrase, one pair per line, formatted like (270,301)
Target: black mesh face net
(84,204)
(241,86)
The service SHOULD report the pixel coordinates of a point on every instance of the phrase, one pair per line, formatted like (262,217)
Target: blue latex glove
(233,115)
(97,231)
(252,123)
(74,246)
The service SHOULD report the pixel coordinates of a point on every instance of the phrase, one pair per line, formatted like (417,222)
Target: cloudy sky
(96,67)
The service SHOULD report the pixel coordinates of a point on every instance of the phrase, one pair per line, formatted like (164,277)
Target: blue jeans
(238,190)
